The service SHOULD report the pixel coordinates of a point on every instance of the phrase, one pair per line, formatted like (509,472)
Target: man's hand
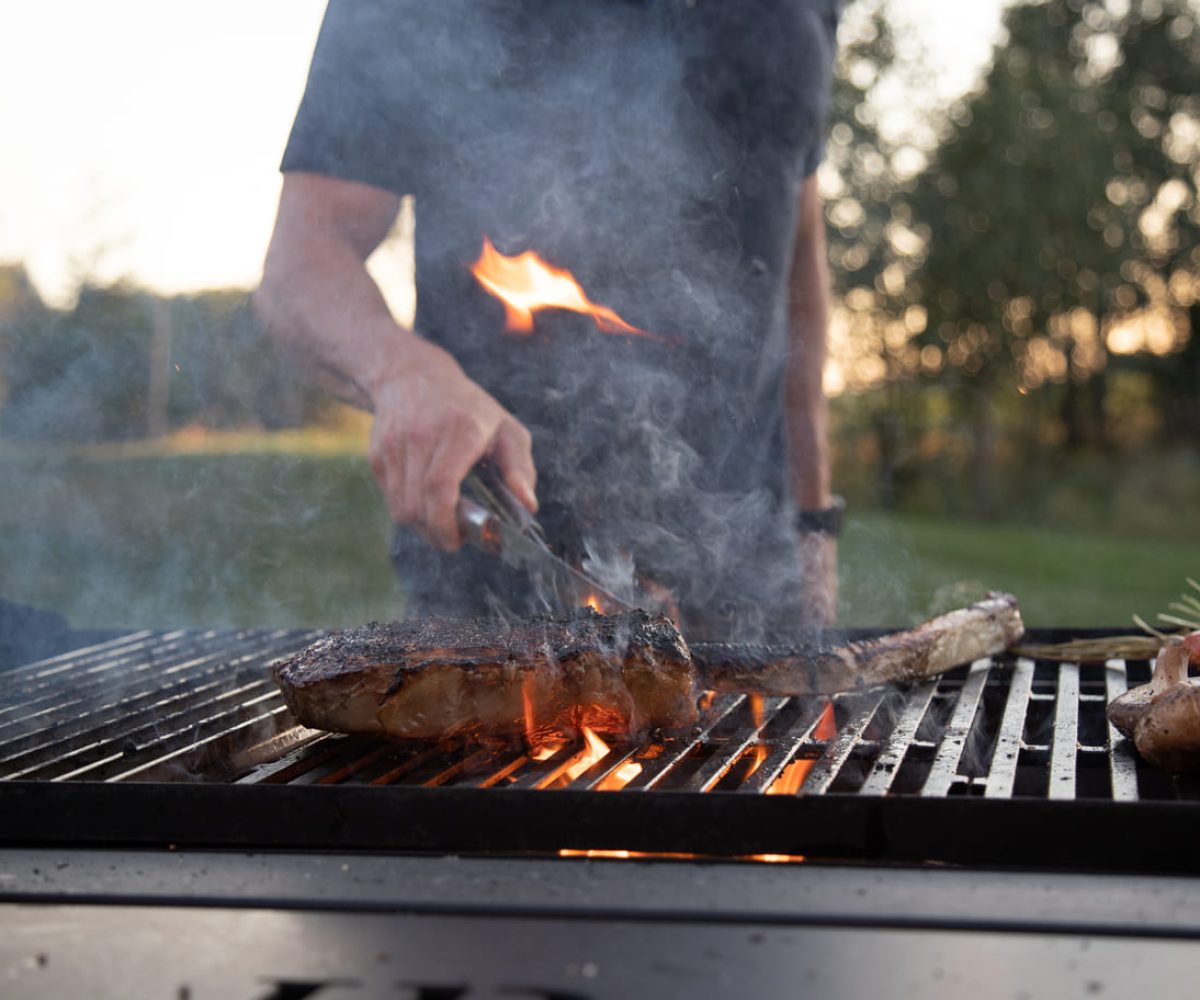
(432,424)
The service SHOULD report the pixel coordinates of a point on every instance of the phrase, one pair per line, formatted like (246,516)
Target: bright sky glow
(141,139)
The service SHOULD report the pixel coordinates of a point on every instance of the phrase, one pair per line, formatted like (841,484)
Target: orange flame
(527,704)
(595,750)
(593,602)
(568,852)
(527,284)
(761,753)
(792,777)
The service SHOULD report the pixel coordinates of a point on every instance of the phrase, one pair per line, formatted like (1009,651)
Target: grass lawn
(282,537)
(196,540)
(897,570)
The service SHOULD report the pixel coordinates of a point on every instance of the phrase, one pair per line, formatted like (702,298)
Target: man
(661,150)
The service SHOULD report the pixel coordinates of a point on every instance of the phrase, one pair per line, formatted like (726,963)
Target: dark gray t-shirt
(656,150)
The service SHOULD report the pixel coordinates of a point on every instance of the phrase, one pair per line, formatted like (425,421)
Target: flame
(595,852)
(792,777)
(761,753)
(595,750)
(527,704)
(527,284)
(593,602)
(621,777)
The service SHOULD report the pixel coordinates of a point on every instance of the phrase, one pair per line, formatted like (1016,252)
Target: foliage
(84,374)
(80,375)
(1056,215)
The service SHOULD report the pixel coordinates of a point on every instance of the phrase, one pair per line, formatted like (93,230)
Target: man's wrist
(397,351)
(825,520)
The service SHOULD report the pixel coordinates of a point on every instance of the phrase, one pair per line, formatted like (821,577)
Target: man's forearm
(318,302)
(432,423)
(808,320)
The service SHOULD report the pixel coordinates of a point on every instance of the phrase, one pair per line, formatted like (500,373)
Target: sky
(140,140)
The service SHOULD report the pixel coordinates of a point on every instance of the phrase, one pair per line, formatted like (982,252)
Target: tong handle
(487,508)
(480,527)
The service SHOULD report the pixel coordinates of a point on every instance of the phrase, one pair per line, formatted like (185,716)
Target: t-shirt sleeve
(829,13)
(351,119)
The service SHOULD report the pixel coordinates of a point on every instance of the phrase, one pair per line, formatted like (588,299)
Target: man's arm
(432,423)
(807,410)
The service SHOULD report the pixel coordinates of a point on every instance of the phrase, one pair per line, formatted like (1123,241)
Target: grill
(166,829)
(182,738)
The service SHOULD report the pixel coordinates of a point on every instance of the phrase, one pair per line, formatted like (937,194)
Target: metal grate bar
(294,763)
(72,660)
(847,739)
(596,775)
(111,755)
(1122,762)
(138,667)
(137,694)
(191,683)
(674,752)
(161,765)
(540,773)
(732,748)
(944,771)
(786,750)
(64,684)
(1003,773)
(146,735)
(1065,745)
(903,736)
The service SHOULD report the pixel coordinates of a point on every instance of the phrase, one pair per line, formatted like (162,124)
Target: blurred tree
(871,229)
(85,374)
(858,178)
(227,374)
(1155,128)
(1059,198)
(19,301)
(79,375)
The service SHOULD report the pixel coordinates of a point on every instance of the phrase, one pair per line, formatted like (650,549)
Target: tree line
(122,363)
(1018,272)
(1031,291)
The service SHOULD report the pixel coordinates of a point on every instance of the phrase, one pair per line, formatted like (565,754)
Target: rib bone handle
(940,644)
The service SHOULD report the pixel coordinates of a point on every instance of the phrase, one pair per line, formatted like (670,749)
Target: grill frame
(950,818)
(1081,835)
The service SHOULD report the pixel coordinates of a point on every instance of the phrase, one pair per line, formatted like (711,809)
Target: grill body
(167,829)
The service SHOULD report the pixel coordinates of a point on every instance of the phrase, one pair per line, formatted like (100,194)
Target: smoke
(654,150)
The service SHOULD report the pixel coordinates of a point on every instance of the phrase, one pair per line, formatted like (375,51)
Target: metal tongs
(494,521)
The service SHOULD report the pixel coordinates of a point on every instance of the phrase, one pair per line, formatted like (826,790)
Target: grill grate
(200,706)
(182,739)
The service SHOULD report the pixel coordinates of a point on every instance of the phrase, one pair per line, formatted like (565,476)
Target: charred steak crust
(621,673)
(438,676)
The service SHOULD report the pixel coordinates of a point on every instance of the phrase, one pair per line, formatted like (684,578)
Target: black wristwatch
(826,521)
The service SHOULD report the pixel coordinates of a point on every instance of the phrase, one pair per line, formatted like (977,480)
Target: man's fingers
(512,448)
(387,462)
(417,449)
(458,450)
